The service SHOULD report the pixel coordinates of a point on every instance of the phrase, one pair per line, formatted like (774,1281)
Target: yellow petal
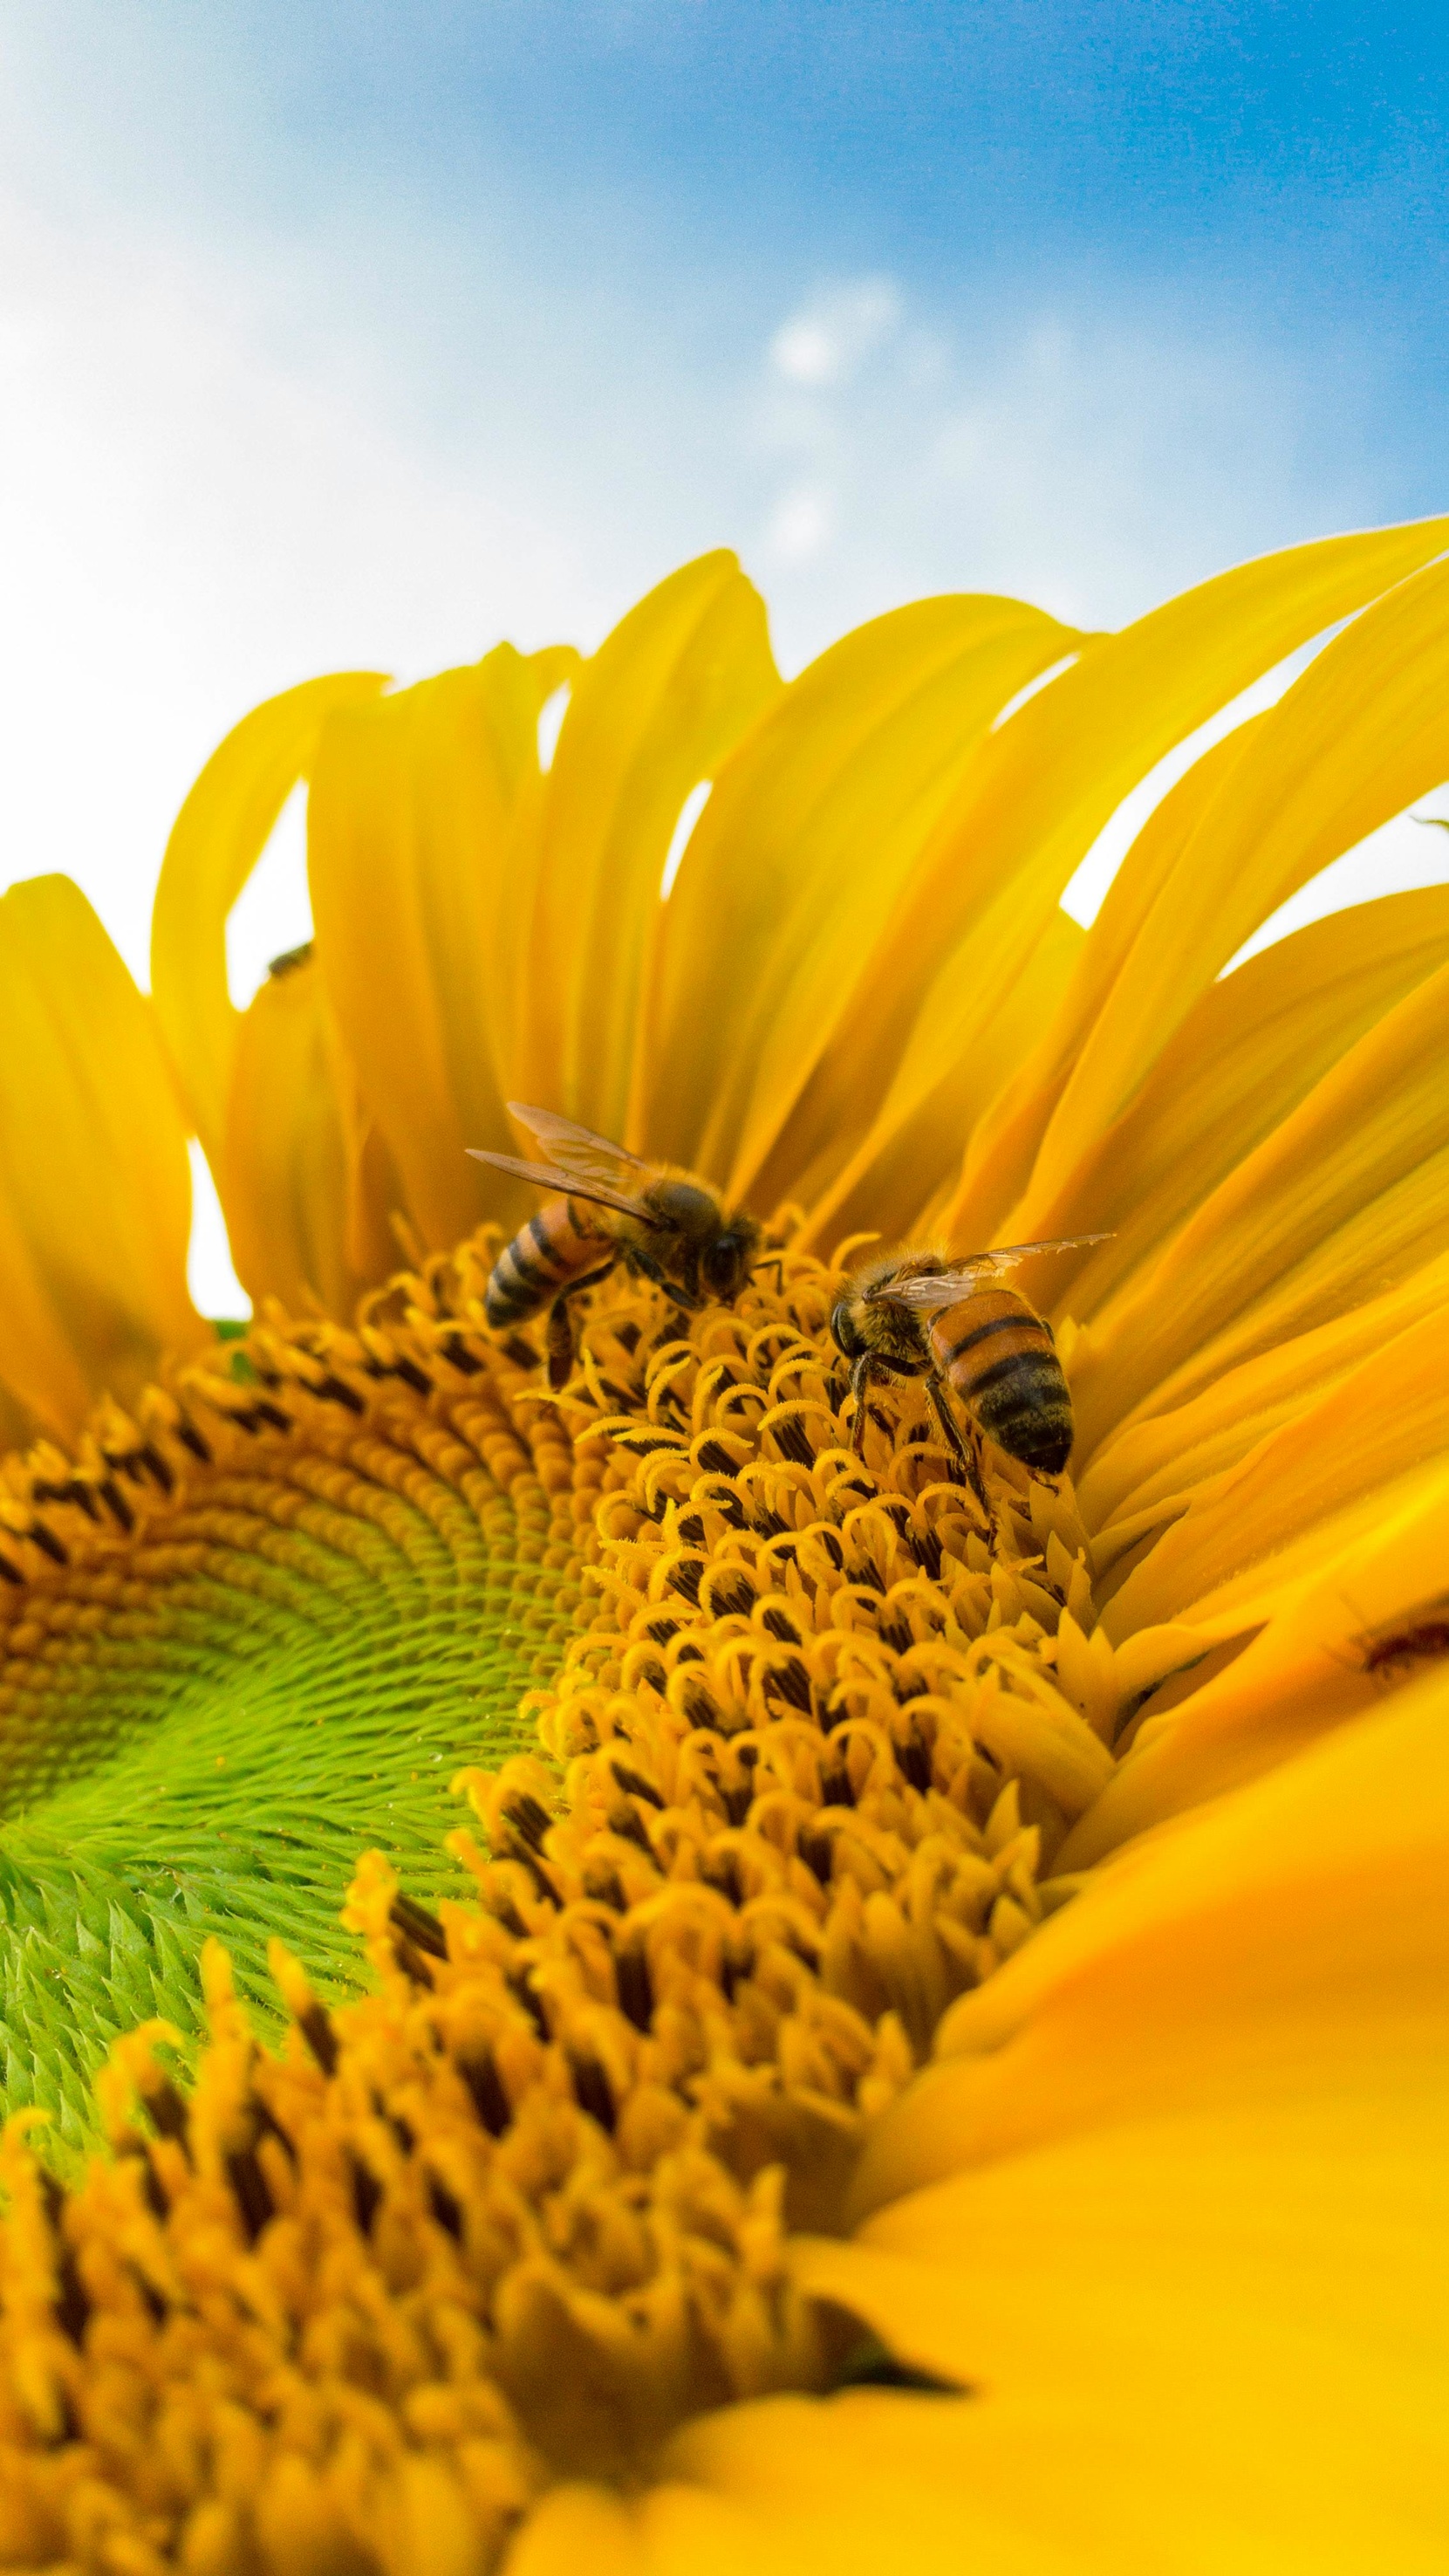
(575,2527)
(869,2482)
(408,831)
(813,829)
(283,1169)
(1088,2483)
(215,843)
(661,704)
(861,2483)
(1247,1055)
(1050,779)
(95,1208)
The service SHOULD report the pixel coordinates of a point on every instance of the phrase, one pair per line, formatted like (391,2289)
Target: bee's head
(850,1341)
(726,1263)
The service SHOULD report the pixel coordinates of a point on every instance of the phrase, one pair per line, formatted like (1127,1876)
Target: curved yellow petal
(578,2526)
(1049,780)
(870,2481)
(814,828)
(283,1172)
(95,1201)
(215,843)
(860,2484)
(656,710)
(1103,2478)
(409,826)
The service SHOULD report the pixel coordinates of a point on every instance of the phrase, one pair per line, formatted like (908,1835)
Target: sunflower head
(948,1926)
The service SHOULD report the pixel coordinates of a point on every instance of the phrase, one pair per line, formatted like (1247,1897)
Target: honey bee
(916,1314)
(662,1223)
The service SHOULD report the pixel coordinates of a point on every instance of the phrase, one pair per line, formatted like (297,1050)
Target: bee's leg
(968,1459)
(649,1269)
(862,1371)
(559,1331)
(979,1489)
(938,1405)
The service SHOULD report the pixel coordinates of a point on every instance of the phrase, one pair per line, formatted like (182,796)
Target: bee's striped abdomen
(997,1358)
(543,1256)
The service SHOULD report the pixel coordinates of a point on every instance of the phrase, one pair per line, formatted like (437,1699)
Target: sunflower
(932,2043)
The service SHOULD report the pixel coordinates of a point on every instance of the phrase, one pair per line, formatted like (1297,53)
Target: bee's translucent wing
(561,1184)
(933,1289)
(579,1151)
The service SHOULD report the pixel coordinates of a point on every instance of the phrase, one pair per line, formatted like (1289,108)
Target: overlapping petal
(412,867)
(660,706)
(1054,782)
(1360,734)
(866,916)
(793,873)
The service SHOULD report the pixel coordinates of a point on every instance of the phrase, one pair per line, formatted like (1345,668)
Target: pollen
(809,1730)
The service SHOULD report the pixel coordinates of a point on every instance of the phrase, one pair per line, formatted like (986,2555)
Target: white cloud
(800,524)
(828,341)
(1089,452)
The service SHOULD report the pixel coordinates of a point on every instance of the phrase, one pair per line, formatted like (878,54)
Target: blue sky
(339,334)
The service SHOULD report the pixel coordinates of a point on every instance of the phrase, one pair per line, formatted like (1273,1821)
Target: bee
(915,1314)
(662,1223)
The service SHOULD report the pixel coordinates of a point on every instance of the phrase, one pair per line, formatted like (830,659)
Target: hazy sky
(365,334)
